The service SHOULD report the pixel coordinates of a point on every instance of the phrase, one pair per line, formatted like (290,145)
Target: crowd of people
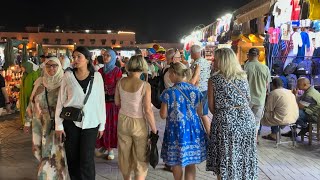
(117,113)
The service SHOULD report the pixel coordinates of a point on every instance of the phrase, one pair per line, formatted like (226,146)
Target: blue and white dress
(184,140)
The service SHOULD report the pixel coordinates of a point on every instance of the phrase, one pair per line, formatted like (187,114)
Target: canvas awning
(252,10)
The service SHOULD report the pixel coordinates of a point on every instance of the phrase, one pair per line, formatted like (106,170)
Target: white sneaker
(110,155)
(99,152)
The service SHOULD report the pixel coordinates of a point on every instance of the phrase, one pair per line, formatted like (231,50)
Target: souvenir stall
(294,40)
(10,69)
(248,30)
(12,78)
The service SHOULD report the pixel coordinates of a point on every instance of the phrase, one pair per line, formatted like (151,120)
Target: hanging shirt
(295,9)
(317,39)
(305,44)
(297,42)
(274,35)
(304,9)
(282,12)
(314,9)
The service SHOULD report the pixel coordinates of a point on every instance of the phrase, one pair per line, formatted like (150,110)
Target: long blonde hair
(228,64)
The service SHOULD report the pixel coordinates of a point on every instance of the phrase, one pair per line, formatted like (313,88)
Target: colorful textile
(46,147)
(274,35)
(295,9)
(184,140)
(314,9)
(109,138)
(26,87)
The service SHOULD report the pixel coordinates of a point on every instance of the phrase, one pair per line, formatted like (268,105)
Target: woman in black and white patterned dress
(232,150)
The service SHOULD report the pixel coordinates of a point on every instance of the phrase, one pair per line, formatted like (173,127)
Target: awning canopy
(252,10)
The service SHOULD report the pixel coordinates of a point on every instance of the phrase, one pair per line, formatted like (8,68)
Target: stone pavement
(284,162)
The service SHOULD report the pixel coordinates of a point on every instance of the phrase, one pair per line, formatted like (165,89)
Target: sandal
(269,137)
(167,168)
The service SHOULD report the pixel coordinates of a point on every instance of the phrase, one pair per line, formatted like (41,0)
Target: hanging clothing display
(274,35)
(295,9)
(314,9)
(282,12)
(305,44)
(304,12)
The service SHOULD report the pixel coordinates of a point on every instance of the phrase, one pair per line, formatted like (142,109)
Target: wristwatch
(8,103)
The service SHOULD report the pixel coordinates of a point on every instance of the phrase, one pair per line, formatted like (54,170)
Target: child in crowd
(184,141)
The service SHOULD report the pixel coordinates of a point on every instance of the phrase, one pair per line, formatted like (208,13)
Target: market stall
(293,42)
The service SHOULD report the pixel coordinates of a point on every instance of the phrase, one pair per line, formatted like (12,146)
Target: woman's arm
(210,96)
(62,97)
(164,110)
(148,109)
(117,100)
(101,101)
(196,75)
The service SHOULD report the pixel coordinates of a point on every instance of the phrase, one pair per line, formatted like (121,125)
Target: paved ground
(284,162)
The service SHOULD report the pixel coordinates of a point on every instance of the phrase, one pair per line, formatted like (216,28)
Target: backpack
(277,66)
(316,66)
(290,68)
(157,87)
(284,81)
(316,82)
(292,81)
(304,67)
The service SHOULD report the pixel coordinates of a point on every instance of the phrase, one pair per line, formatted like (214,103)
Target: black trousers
(80,146)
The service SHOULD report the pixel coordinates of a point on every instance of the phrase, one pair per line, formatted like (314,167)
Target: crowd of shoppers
(117,113)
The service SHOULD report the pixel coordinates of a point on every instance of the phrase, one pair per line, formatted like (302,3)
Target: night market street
(284,162)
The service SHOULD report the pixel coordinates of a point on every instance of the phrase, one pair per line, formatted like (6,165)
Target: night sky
(166,20)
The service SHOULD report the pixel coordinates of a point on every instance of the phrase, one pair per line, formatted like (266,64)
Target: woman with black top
(80,137)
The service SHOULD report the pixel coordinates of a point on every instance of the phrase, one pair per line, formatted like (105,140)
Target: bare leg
(177,172)
(219,177)
(140,178)
(190,172)
(128,177)
(206,122)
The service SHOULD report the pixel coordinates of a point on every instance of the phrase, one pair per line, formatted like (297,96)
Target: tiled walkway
(284,162)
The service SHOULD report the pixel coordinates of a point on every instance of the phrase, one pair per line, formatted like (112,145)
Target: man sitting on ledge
(281,109)
(309,105)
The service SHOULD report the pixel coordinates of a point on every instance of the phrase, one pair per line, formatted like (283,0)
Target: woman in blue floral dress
(184,141)
(232,152)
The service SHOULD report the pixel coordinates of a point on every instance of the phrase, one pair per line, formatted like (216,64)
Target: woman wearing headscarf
(27,81)
(111,74)
(41,111)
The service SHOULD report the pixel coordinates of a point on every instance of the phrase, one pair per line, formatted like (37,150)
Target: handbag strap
(185,96)
(46,93)
(89,91)
(237,88)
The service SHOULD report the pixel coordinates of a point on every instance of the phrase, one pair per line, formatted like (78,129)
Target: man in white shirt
(201,73)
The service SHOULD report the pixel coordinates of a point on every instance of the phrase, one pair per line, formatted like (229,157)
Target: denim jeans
(302,119)
(205,107)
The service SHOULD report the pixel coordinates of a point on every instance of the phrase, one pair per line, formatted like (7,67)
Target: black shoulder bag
(52,126)
(75,114)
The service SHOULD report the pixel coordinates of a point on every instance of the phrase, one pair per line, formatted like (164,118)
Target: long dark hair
(87,55)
